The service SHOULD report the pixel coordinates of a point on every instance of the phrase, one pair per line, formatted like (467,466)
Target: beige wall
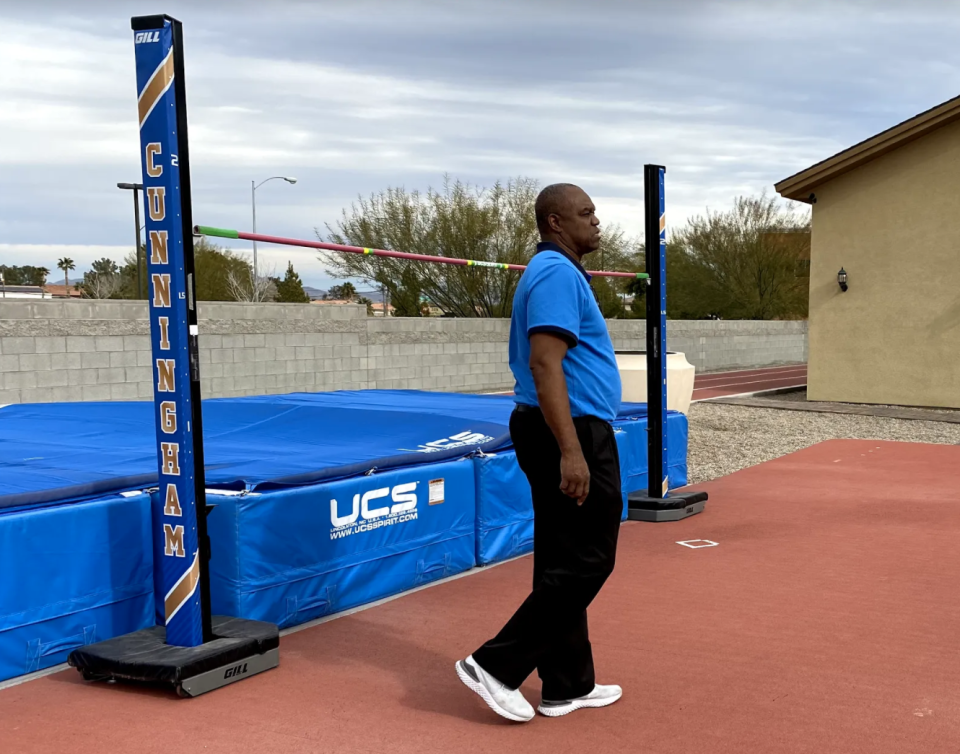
(894,225)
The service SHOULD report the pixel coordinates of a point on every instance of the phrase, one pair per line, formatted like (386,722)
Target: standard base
(241,648)
(675,507)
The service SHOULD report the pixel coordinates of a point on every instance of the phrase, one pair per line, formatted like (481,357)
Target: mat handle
(430,571)
(36,649)
(325,600)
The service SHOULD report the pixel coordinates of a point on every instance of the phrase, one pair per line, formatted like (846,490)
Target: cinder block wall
(713,346)
(100,350)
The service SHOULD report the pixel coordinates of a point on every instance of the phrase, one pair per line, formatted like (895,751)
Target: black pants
(574,549)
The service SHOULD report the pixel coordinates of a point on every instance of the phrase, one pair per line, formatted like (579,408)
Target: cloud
(354,97)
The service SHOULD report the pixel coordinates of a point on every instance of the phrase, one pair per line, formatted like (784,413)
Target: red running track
(725,384)
(825,621)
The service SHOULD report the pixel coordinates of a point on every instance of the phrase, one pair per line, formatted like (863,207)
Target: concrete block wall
(717,345)
(100,350)
(461,355)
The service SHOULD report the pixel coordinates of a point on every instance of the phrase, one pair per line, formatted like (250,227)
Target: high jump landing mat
(323,502)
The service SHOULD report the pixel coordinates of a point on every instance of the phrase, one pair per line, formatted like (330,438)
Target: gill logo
(146,36)
(403,496)
(236,670)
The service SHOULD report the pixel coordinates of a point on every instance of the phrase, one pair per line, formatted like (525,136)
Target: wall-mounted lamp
(842,279)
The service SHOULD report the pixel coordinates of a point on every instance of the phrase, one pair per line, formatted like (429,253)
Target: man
(567,394)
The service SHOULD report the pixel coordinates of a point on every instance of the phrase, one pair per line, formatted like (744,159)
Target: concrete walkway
(949,416)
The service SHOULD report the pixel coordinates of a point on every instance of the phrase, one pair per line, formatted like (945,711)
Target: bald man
(567,394)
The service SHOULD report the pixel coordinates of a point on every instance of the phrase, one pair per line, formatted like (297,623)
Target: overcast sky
(354,96)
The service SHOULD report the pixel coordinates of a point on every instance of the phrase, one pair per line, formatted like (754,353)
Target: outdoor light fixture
(842,279)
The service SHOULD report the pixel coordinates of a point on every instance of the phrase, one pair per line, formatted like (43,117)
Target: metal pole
(191,326)
(655,245)
(253,202)
(136,220)
(660,504)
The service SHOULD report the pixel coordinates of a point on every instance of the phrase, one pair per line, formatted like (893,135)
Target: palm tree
(66,264)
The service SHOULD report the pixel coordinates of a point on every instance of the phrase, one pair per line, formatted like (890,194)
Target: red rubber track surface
(826,619)
(722,384)
(725,384)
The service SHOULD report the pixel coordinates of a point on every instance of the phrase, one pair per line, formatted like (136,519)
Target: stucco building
(887,212)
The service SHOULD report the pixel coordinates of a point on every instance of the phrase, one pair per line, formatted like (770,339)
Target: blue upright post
(658,504)
(192,650)
(173,330)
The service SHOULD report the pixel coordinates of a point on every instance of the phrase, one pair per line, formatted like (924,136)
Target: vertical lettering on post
(158,247)
(156,202)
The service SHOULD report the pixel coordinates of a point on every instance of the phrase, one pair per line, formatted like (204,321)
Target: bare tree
(495,224)
(243,286)
(102,281)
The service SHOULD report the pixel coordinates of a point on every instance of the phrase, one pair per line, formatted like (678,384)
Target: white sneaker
(601,696)
(505,702)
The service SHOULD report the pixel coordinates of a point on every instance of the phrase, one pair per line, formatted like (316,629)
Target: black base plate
(674,507)
(143,656)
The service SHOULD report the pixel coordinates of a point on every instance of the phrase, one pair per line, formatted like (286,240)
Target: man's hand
(547,351)
(575,476)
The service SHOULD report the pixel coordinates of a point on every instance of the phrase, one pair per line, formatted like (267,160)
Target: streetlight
(135,187)
(253,195)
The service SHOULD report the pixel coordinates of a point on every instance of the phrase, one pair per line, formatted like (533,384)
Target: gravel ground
(724,439)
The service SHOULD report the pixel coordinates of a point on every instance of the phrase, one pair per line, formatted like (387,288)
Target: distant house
(377,297)
(886,211)
(22,291)
(377,308)
(62,291)
(334,302)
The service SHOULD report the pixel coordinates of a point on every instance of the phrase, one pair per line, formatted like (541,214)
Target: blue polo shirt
(554,295)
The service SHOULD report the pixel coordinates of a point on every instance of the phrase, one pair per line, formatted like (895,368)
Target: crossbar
(206,230)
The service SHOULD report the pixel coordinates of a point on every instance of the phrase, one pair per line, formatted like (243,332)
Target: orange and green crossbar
(205,230)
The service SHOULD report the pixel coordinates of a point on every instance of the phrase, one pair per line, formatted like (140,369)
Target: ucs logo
(454,441)
(146,36)
(403,496)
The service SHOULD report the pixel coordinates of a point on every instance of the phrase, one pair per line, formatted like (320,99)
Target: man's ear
(553,221)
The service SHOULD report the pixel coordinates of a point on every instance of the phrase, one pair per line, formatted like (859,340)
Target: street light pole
(136,219)
(253,201)
(136,187)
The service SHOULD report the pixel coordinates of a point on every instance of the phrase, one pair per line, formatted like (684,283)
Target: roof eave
(800,186)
